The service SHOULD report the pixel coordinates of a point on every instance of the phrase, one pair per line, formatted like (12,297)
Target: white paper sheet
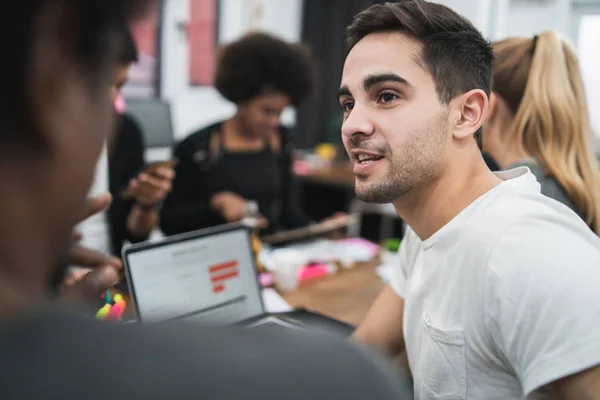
(274,302)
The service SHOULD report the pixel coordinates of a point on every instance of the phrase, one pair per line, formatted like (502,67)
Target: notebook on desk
(207,276)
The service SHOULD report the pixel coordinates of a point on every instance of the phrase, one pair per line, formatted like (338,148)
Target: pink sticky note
(314,271)
(266,279)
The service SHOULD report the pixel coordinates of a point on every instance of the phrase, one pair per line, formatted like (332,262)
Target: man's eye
(387,97)
(347,106)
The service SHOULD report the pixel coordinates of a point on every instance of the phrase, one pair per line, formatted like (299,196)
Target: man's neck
(429,210)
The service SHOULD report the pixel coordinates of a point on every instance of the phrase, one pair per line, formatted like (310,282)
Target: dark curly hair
(259,62)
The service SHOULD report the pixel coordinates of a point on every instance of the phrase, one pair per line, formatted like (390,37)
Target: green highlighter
(392,245)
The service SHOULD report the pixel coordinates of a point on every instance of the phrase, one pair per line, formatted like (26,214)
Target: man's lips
(364,156)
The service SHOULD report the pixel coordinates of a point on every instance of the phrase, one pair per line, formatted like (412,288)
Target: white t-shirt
(502,300)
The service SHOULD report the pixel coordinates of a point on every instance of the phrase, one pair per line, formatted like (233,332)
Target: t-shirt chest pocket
(440,371)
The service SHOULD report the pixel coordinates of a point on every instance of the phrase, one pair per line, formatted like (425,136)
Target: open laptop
(207,276)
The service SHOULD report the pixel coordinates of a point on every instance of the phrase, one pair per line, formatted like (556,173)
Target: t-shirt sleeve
(543,301)
(404,265)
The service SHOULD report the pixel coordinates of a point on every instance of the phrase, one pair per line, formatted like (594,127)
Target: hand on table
(102,270)
(149,189)
(233,208)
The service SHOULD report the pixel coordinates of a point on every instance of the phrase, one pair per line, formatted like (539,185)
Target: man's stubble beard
(410,169)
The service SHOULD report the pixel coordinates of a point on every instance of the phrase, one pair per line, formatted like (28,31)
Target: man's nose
(357,121)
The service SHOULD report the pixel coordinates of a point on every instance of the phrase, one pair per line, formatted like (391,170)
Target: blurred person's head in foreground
(538,111)
(263,75)
(414,93)
(127,55)
(54,117)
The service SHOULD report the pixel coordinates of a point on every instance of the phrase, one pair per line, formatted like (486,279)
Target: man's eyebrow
(344,91)
(374,79)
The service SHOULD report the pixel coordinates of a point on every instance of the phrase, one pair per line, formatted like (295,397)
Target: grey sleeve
(72,358)
(295,366)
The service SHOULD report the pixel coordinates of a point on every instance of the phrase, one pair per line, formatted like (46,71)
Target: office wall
(195,107)
(199,106)
(477,11)
(501,18)
(527,17)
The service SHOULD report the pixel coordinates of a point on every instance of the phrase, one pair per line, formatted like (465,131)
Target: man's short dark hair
(128,51)
(454,52)
(89,35)
(259,62)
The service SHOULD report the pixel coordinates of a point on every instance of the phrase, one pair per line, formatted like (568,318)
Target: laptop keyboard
(272,324)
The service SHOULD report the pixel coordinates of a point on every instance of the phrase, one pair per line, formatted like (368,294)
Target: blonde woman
(539,118)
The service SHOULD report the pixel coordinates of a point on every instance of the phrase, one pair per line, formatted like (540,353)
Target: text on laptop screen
(209,278)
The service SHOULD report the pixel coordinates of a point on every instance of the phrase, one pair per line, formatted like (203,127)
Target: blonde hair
(540,81)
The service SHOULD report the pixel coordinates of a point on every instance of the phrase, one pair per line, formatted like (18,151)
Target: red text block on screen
(221,273)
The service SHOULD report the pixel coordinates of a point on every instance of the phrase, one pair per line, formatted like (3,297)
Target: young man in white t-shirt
(497,295)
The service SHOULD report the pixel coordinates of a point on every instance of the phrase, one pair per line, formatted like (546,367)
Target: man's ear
(472,109)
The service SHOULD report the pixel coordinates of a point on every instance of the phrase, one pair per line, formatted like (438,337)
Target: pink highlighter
(116,311)
(314,271)
(120,104)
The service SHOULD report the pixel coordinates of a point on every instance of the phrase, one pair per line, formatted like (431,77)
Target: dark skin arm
(105,269)
(148,189)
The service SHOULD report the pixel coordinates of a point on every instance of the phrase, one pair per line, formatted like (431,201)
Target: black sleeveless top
(263,176)
(254,175)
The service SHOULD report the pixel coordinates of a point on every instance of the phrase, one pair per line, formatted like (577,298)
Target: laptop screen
(202,276)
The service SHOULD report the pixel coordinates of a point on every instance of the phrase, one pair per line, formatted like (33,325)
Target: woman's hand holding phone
(152,185)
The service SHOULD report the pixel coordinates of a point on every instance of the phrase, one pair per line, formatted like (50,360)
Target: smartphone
(151,169)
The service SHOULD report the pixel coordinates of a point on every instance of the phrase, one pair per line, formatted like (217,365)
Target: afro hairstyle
(259,63)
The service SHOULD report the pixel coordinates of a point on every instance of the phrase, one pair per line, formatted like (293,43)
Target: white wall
(195,107)
(528,17)
(477,11)
(501,18)
(200,106)
(589,44)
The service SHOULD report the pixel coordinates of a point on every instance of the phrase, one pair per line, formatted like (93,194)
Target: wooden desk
(346,296)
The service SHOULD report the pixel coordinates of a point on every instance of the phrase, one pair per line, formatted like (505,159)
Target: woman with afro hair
(225,166)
